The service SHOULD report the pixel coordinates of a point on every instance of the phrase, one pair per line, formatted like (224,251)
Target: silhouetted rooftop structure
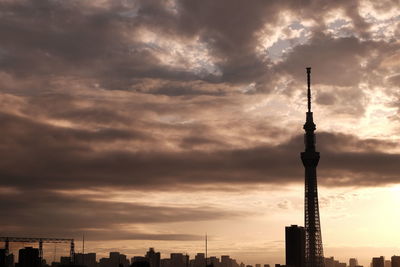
(295,241)
(395,261)
(378,261)
(28,257)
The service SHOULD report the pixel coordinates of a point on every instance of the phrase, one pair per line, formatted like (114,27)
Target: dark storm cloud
(340,65)
(183,89)
(226,26)
(336,61)
(18,127)
(103,235)
(325,98)
(395,80)
(44,36)
(34,211)
(64,106)
(347,160)
(62,158)
(43,39)
(193,142)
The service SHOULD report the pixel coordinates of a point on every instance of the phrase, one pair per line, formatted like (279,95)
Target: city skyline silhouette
(145,123)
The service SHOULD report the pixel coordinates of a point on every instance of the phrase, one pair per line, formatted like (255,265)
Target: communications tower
(314,255)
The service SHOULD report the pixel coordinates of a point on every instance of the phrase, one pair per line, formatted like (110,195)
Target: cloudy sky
(151,122)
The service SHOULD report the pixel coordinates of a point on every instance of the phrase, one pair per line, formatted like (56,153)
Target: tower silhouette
(314,252)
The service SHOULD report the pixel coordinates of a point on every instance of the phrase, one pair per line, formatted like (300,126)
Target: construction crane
(40,240)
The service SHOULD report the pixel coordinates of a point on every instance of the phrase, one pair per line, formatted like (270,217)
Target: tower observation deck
(314,255)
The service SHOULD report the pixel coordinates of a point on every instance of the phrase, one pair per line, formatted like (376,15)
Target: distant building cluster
(295,253)
(353,262)
(30,257)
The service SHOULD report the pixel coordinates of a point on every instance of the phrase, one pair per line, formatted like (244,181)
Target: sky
(148,123)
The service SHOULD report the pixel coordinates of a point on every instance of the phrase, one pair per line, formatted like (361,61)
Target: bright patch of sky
(383,20)
(248,89)
(285,38)
(377,122)
(385,29)
(188,55)
(379,10)
(340,28)
(172,6)
(282,40)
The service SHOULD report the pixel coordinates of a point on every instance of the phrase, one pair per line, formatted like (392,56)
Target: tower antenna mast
(309,88)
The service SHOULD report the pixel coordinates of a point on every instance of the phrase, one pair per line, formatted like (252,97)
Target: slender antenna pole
(206,249)
(309,88)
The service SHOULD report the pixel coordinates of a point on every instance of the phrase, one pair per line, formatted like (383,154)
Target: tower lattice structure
(314,255)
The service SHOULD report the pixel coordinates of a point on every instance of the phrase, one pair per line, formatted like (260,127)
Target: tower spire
(314,255)
(309,88)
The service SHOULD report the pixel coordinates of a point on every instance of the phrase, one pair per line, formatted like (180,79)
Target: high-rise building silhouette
(139,261)
(153,258)
(378,261)
(226,261)
(214,261)
(6,259)
(395,261)
(331,262)
(295,246)
(199,260)
(86,259)
(310,157)
(353,262)
(165,262)
(116,259)
(179,260)
(29,257)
